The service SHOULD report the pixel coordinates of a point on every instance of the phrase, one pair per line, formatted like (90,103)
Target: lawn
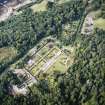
(7,53)
(40,7)
(60,65)
(51,54)
(99,23)
(95,14)
(37,67)
(63,1)
(43,51)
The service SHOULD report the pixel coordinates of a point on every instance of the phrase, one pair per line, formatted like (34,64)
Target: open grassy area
(95,14)
(59,65)
(40,7)
(51,54)
(62,1)
(99,23)
(64,61)
(37,67)
(7,53)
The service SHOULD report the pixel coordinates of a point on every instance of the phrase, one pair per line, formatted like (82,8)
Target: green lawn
(7,53)
(37,67)
(40,7)
(99,23)
(51,54)
(63,1)
(43,51)
(59,65)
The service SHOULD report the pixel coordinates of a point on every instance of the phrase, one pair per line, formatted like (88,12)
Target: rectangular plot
(43,51)
(51,54)
(33,60)
(37,67)
(59,65)
(36,58)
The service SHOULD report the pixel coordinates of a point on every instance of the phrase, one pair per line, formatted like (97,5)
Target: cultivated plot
(48,60)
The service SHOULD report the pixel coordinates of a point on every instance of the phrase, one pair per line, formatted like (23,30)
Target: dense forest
(84,82)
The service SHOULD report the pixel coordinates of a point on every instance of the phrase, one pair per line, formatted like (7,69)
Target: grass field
(95,14)
(40,7)
(99,23)
(63,1)
(37,67)
(60,65)
(64,61)
(7,53)
(51,54)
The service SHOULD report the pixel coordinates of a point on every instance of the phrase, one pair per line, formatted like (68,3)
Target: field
(7,53)
(62,1)
(60,65)
(95,14)
(48,60)
(40,7)
(100,23)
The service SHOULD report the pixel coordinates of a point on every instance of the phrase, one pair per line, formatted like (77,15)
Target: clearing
(40,7)
(63,1)
(7,53)
(99,23)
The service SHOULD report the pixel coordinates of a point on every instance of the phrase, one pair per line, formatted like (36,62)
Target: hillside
(52,53)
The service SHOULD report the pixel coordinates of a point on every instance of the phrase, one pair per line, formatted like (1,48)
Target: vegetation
(7,53)
(25,30)
(40,7)
(82,85)
(100,23)
(62,1)
(84,81)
